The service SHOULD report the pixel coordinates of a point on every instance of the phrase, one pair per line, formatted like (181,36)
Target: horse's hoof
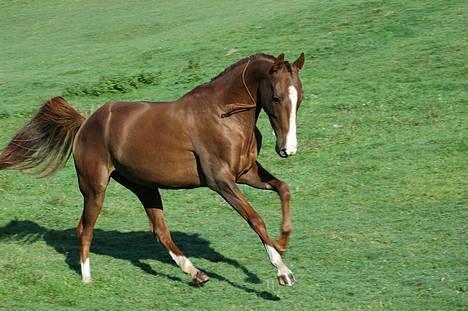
(86,280)
(286,279)
(200,279)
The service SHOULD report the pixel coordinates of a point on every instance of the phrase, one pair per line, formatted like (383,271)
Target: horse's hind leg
(93,184)
(161,232)
(151,200)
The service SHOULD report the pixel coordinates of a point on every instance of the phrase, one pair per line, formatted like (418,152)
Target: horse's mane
(230,68)
(243,61)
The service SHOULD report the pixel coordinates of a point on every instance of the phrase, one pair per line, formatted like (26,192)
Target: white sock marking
(86,271)
(275,259)
(184,263)
(291,139)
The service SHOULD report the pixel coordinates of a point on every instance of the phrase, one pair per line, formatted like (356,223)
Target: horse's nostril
(283,153)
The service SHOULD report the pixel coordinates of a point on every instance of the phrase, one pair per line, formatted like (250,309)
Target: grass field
(379,184)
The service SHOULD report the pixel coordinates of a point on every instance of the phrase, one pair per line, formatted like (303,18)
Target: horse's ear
(279,62)
(280,58)
(299,63)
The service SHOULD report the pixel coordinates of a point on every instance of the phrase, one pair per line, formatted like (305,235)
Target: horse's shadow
(132,246)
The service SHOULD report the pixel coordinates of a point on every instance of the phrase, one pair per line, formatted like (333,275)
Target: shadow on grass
(132,246)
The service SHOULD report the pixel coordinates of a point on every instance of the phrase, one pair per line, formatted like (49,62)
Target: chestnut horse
(207,138)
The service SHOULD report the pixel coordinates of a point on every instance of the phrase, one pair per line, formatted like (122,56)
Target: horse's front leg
(228,189)
(260,178)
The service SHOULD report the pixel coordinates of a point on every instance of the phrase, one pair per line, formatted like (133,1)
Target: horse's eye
(276,99)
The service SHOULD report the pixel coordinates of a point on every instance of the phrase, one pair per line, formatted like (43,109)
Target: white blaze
(291,139)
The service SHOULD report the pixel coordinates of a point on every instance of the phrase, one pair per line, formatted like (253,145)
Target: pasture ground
(379,184)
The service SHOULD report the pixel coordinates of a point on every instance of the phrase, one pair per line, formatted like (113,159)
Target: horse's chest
(247,158)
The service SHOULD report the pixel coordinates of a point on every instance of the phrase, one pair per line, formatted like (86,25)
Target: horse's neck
(241,88)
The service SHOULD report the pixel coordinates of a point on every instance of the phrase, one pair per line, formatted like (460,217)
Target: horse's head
(281,95)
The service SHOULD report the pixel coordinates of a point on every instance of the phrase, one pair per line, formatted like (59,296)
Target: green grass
(379,184)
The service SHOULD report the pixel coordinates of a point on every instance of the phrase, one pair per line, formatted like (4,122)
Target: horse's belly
(164,172)
(149,146)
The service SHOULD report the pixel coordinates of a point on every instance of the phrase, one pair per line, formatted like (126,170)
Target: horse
(206,138)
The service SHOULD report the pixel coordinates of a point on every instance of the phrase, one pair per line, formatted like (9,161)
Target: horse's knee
(283,190)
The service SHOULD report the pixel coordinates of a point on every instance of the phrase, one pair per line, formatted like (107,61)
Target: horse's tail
(45,143)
